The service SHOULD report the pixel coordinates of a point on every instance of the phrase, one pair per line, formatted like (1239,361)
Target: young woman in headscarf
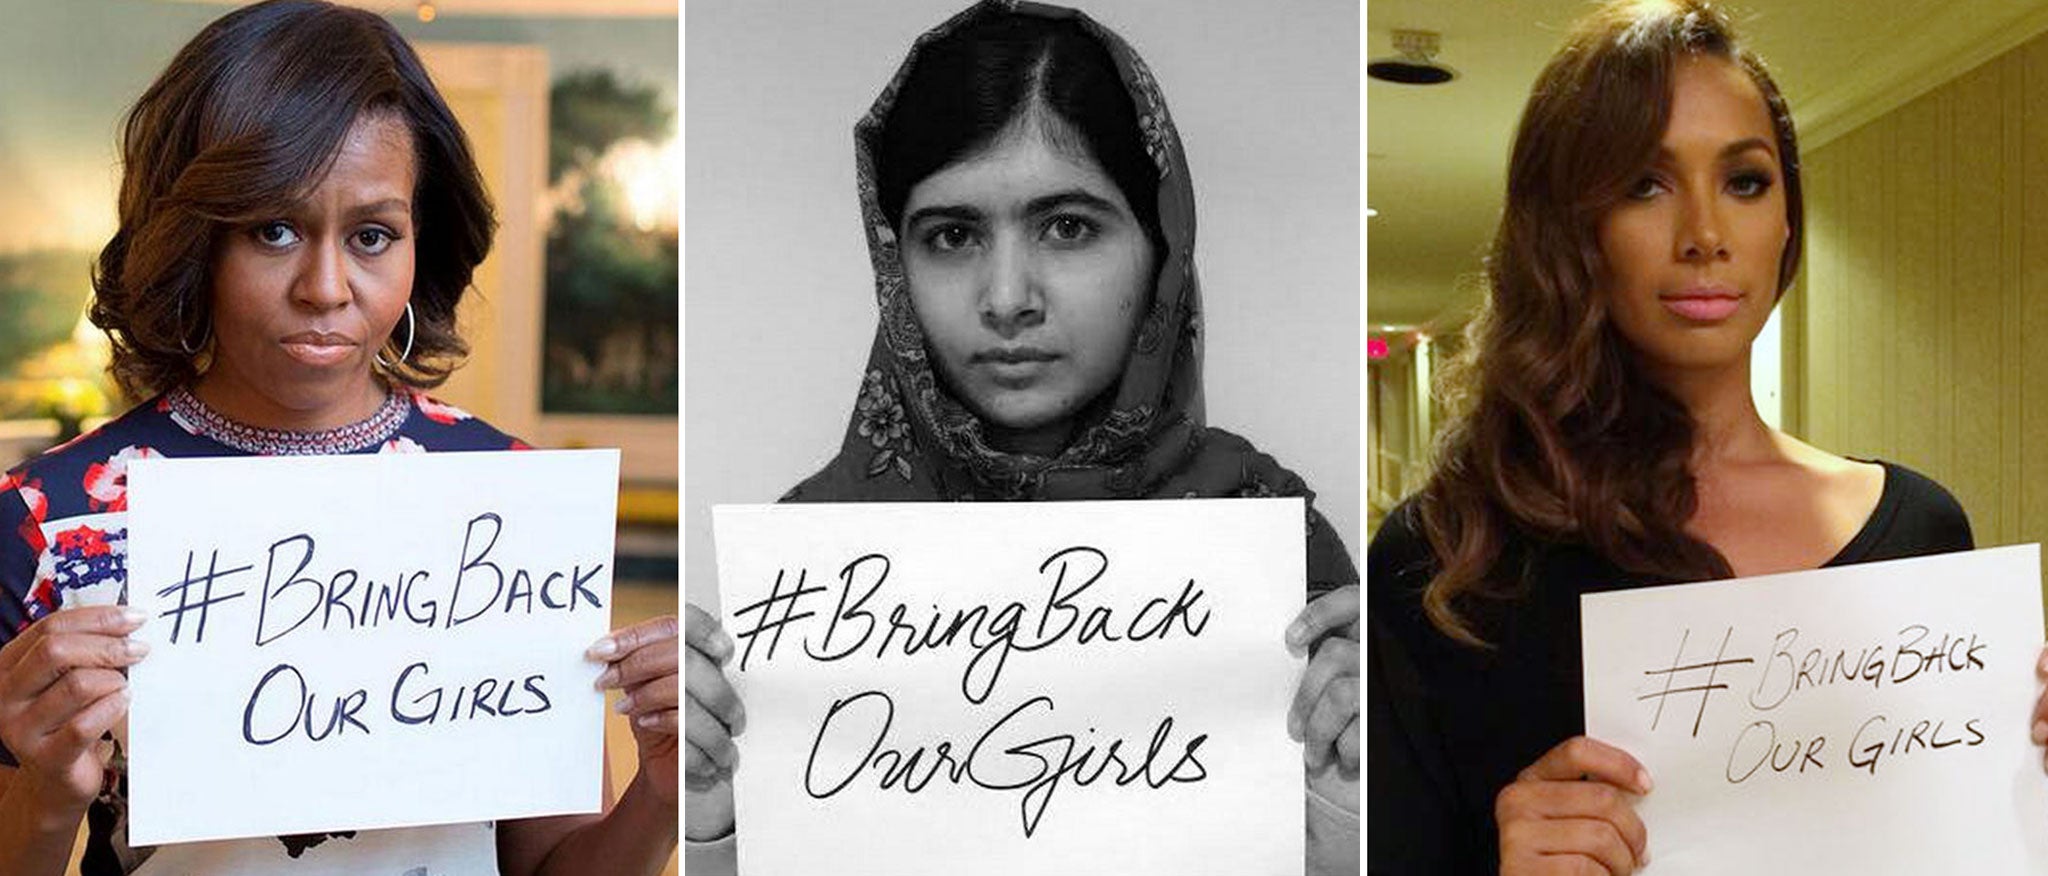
(1031,224)
(1605,439)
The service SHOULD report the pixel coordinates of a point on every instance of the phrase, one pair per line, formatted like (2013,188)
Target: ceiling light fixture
(426,11)
(1417,64)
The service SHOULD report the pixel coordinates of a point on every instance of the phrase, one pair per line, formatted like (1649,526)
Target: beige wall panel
(1863,247)
(482,114)
(1851,291)
(1974,334)
(1792,355)
(1947,308)
(2033,281)
(1887,230)
(1868,253)
(1909,346)
(1826,313)
(1945,231)
(1819,316)
(2011,261)
(1926,278)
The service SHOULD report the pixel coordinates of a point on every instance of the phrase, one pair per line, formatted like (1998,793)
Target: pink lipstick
(1703,303)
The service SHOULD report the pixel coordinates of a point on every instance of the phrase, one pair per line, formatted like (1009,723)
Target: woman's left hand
(642,661)
(1324,717)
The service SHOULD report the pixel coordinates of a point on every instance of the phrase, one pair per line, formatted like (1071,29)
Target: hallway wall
(1922,331)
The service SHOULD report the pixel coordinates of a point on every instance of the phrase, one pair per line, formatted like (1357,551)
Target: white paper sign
(1863,719)
(354,642)
(1017,687)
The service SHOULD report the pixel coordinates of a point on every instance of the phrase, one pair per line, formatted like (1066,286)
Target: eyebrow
(399,205)
(1038,206)
(1740,146)
(1731,150)
(1069,198)
(960,212)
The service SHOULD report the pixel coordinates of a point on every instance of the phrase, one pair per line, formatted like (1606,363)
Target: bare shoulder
(1847,491)
(1909,512)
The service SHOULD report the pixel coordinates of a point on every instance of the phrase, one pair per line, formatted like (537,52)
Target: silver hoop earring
(182,334)
(409,327)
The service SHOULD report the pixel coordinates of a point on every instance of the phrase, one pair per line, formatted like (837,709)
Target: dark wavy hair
(249,116)
(967,87)
(1556,431)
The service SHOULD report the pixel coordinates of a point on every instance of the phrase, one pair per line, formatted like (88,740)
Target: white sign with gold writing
(1864,719)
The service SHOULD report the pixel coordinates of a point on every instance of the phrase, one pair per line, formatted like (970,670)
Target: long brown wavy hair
(1556,433)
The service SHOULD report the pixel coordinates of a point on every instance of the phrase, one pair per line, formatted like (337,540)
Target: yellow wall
(482,114)
(1926,275)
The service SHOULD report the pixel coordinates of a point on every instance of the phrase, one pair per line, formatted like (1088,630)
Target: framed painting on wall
(574,333)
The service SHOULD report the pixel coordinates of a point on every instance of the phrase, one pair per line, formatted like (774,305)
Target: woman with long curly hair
(1604,438)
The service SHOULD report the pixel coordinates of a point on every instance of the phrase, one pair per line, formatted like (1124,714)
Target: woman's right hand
(1573,811)
(61,689)
(712,716)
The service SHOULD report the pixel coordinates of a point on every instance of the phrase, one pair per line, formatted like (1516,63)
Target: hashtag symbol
(1705,690)
(207,600)
(766,608)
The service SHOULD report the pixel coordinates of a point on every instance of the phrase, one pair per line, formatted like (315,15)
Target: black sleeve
(1329,564)
(1412,811)
(1926,519)
(1938,519)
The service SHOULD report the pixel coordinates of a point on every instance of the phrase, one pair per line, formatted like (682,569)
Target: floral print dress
(63,543)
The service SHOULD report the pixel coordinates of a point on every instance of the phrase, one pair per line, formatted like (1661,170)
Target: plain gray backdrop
(779,301)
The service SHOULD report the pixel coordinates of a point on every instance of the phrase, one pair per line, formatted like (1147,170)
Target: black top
(1450,725)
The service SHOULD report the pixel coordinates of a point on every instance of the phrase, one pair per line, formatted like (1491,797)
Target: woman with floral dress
(300,216)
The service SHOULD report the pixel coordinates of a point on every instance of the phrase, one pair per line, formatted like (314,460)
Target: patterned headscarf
(910,439)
